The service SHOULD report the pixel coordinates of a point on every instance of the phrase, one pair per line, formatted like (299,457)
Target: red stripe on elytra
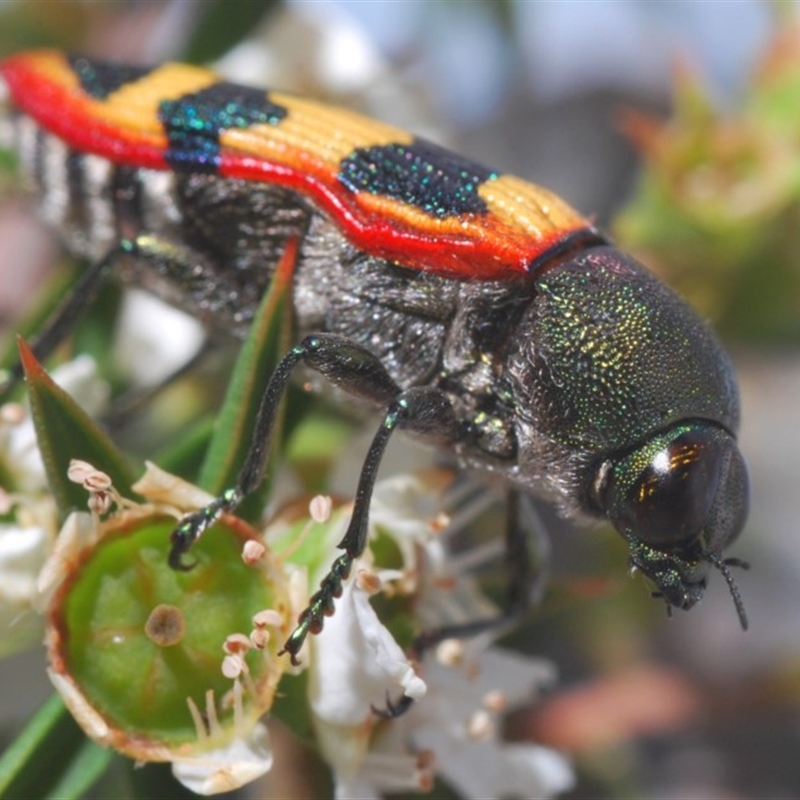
(486,258)
(79,123)
(60,111)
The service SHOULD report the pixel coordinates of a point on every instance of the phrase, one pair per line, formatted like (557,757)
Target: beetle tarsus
(194,525)
(321,605)
(181,539)
(394,708)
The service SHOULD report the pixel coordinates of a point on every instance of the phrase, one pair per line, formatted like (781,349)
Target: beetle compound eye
(664,492)
(670,501)
(727,515)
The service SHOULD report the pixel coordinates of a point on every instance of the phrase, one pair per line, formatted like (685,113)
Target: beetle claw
(393,708)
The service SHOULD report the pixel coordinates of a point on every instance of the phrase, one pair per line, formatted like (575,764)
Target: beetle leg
(418,409)
(64,318)
(143,247)
(526,559)
(422,410)
(134,400)
(527,554)
(347,365)
(526,568)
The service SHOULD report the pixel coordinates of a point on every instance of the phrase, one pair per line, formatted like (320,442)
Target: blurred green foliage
(717,209)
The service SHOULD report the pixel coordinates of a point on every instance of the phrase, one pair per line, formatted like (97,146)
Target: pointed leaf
(267,340)
(64,431)
(184,456)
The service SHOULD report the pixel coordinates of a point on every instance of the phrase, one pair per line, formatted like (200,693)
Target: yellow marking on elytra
(385,207)
(312,132)
(134,106)
(529,208)
(55,69)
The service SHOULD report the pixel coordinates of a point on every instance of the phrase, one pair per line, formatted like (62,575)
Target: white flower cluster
(457,695)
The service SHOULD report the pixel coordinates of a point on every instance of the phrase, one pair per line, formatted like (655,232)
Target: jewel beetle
(476,310)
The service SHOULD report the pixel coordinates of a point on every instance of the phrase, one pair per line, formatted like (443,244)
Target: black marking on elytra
(101,78)
(193,123)
(435,180)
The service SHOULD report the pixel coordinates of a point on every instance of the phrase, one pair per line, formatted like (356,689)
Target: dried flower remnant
(355,665)
(165,626)
(137,649)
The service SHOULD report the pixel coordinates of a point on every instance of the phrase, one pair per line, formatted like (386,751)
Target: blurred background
(676,125)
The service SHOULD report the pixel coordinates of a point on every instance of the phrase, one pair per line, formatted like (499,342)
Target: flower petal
(357,663)
(226,768)
(22,553)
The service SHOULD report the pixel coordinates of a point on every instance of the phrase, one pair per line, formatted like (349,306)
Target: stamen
(238,708)
(252,552)
(269,616)
(233,667)
(237,644)
(426,770)
(12,413)
(495,700)
(259,638)
(450,652)
(214,728)
(197,718)
(320,508)
(368,581)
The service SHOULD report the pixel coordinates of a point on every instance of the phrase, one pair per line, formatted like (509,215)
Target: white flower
(26,541)
(361,664)
(461,723)
(388,766)
(23,550)
(151,353)
(455,729)
(356,666)
(19,451)
(229,765)
(455,733)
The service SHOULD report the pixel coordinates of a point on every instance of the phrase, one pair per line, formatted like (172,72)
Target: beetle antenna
(724,568)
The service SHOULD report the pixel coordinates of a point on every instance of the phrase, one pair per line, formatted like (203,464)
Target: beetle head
(679,500)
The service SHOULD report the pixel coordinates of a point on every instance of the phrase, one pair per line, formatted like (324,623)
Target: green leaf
(51,758)
(64,431)
(267,340)
(183,456)
(8,161)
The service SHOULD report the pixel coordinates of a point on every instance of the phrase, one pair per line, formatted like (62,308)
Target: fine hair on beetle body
(474,309)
